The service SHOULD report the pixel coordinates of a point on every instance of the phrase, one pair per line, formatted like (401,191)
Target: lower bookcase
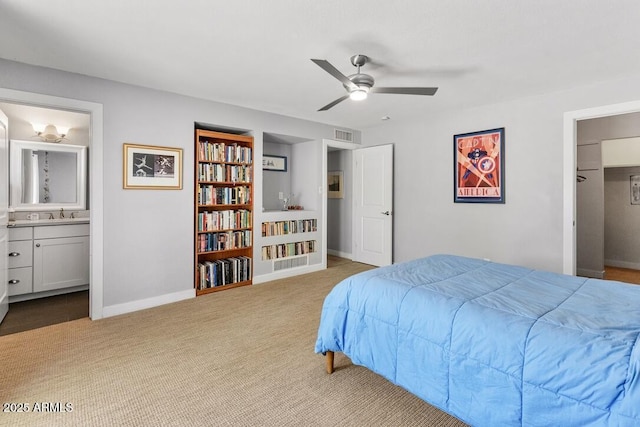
(219,270)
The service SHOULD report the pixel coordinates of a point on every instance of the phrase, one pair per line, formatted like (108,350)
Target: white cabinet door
(60,263)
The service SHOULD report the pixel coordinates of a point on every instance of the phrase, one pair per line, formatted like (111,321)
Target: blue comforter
(494,344)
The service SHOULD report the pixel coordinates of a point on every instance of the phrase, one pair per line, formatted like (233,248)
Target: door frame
(570,128)
(96,182)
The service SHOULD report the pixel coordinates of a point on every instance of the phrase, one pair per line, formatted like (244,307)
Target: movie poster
(479,167)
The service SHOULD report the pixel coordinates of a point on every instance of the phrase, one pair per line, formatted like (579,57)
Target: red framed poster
(478,164)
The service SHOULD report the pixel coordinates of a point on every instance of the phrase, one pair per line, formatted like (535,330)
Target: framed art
(274,163)
(335,185)
(634,180)
(150,167)
(478,165)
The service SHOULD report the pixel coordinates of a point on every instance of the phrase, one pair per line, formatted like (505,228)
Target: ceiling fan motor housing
(361,80)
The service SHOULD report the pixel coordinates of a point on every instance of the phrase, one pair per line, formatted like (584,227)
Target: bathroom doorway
(86,301)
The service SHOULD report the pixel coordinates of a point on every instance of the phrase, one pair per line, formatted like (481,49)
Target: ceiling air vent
(342,135)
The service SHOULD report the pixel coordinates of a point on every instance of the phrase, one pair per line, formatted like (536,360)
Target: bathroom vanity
(48,257)
(48,254)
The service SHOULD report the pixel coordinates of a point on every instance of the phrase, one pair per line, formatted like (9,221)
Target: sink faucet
(61,213)
(50,215)
(73,215)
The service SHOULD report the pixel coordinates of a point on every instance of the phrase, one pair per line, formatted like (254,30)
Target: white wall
(275,182)
(148,234)
(528,228)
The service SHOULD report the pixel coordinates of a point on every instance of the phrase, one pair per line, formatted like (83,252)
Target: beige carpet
(242,357)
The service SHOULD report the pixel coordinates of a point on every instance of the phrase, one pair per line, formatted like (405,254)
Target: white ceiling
(257,53)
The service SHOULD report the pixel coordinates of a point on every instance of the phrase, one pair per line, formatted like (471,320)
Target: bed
(493,344)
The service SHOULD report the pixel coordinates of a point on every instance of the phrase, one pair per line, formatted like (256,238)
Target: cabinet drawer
(20,253)
(54,231)
(20,281)
(20,233)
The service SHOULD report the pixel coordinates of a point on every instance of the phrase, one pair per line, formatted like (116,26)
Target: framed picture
(151,168)
(478,167)
(635,189)
(335,185)
(274,163)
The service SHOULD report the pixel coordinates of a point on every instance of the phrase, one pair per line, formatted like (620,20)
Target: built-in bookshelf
(223,210)
(279,228)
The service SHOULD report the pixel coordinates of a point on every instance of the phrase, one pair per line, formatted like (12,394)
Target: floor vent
(343,135)
(283,264)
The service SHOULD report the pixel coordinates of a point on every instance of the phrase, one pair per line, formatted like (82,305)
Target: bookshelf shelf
(223,231)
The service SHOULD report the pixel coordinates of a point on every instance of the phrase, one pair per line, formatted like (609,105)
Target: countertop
(46,222)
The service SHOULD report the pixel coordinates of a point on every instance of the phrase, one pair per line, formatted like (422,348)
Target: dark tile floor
(26,315)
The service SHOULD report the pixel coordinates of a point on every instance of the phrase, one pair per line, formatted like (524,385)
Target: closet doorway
(339,204)
(589,127)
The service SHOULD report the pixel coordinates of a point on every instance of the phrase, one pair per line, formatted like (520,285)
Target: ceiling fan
(359,85)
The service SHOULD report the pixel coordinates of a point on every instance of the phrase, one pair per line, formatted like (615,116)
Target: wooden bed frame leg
(329,362)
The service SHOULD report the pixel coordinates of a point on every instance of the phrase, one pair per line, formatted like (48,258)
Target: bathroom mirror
(47,176)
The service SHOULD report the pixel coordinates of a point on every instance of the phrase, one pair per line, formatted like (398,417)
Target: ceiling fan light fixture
(359,94)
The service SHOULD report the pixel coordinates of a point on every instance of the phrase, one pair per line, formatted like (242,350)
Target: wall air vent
(342,135)
(284,264)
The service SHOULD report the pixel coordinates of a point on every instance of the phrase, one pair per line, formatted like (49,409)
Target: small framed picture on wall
(148,167)
(335,185)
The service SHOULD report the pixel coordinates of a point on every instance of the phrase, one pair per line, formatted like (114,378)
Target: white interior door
(373,205)
(4,215)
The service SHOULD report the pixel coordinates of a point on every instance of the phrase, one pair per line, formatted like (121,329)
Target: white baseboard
(590,273)
(289,272)
(339,254)
(141,304)
(622,264)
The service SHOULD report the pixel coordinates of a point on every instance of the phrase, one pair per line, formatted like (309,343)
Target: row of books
(278,228)
(284,250)
(215,172)
(209,242)
(212,195)
(223,272)
(221,152)
(224,220)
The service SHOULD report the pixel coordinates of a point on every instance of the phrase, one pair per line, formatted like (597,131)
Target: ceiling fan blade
(406,90)
(325,65)
(331,104)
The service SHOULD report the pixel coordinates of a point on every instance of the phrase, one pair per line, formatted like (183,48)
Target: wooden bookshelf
(224,193)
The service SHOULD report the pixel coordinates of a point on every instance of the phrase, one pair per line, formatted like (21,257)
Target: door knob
(14,281)
(37,245)
(386,213)
(14,253)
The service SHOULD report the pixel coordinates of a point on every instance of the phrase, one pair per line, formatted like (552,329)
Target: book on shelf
(277,228)
(223,152)
(215,172)
(210,242)
(284,250)
(224,220)
(212,195)
(212,274)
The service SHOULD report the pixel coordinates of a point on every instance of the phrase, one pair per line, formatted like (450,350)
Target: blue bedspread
(494,344)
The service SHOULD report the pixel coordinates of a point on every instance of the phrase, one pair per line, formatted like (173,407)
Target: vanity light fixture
(50,133)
